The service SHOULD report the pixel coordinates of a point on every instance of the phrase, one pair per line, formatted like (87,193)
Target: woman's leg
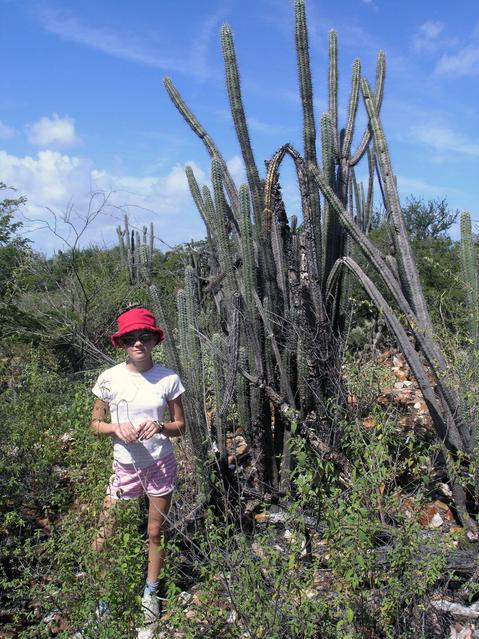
(158,510)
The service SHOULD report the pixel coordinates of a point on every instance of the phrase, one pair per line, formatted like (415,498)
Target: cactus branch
(333,85)
(407,265)
(211,147)
(239,119)
(378,98)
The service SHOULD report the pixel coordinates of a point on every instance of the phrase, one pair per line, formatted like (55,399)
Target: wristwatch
(161,427)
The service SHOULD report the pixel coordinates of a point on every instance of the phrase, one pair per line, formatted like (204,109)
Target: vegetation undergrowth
(365,567)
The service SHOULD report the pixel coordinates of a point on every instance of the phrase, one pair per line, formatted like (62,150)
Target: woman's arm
(99,416)
(176,427)
(100,426)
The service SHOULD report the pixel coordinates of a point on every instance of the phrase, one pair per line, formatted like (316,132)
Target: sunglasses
(129,340)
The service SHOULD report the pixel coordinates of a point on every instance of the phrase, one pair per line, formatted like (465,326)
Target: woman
(131,401)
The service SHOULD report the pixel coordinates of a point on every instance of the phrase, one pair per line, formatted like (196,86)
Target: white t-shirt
(135,397)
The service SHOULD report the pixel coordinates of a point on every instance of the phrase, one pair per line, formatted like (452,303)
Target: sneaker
(150,605)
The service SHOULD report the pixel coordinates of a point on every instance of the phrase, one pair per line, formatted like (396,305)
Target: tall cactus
(191,369)
(292,285)
(309,126)
(239,119)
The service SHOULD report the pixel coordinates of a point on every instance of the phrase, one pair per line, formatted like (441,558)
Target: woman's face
(138,345)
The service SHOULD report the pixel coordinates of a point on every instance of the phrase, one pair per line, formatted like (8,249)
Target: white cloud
(56,131)
(6,132)
(464,62)
(431,30)
(426,37)
(62,183)
(237,169)
(444,139)
(129,47)
(417,187)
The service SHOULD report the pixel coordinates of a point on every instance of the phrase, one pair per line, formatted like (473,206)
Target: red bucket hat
(135,320)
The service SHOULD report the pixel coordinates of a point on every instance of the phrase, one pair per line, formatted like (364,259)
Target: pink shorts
(155,480)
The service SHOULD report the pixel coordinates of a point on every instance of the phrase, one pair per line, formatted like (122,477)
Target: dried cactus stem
(470,277)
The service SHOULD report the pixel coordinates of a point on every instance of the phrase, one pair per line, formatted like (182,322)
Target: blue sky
(83,110)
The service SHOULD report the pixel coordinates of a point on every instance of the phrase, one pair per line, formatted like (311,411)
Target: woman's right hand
(126,432)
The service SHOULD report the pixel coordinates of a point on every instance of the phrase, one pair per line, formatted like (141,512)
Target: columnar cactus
(218,387)
(136,252)
(291,285)
(191,369)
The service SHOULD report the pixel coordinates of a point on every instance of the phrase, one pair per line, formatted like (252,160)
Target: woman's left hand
(148,428)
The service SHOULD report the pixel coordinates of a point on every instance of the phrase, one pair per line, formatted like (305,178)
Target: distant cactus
(136,252)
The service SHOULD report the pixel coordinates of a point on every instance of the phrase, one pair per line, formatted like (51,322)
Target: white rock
(436,522)
(184,598)
(146,632)
(232,617)
(445,490)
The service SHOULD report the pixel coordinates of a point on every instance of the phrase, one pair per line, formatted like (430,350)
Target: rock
(399,374)
(369,422)
(191,614)
(444,488)
(184,598)
(472,536)
(436,522)
(462,632)
(195,599)
(430,516)
(406,506)
(445,510)
(399,360)
(257,550)
(55,623)
(232,617)
(146,632)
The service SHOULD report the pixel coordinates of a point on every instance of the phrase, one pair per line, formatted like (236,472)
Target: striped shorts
(155,480)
